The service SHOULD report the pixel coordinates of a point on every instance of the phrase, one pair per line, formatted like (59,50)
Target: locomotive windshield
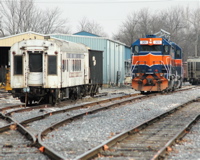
(150,48)
(135,50)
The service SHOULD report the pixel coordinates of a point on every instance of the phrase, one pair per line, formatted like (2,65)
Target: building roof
(23,33)
(84,33)
(10,40)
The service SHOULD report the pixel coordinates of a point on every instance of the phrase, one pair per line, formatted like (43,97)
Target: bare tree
(144,18)
(1,30)
(138,24)
(194,21)
(174,22)
(21,16)
(141,23)
(128,31)
(91,26)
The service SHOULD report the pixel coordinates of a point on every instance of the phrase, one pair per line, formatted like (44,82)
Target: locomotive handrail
(169,63)
(166,69)
(136,64)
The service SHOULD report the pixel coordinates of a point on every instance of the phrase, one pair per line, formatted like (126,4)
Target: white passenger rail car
(52,70)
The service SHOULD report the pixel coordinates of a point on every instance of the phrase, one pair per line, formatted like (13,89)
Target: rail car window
(35,62)
(18,65)
(150,48)
(190,64)
(197,66)
(52,64)
(76,65)
(64,65)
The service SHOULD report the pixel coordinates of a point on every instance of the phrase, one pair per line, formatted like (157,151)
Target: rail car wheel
(50,99)
(73,94)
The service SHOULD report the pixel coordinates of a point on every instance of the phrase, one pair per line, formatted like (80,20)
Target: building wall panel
(113,55)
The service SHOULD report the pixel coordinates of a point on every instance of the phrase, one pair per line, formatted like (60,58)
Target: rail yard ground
(94,129)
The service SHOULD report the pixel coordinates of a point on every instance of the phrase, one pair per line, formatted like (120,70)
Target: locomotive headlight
(156,70)
(137,74)
(161,74)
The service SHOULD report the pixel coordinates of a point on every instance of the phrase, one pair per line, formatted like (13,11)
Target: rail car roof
(71,47)
(194,59)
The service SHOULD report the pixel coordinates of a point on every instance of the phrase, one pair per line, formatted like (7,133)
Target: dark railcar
(193,65)
(96,66)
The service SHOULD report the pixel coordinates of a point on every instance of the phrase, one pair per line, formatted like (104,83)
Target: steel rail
(82,106)
(12,107)
(27,109)
(114,140)
(57,125)
(77,107)
(37,141)
(181,134)
(50,153)
(135,97)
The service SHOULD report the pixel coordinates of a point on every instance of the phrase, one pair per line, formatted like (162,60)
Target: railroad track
(127,98)
(16,141)
(12,126)
(151,139)
(42,135)
(88,108)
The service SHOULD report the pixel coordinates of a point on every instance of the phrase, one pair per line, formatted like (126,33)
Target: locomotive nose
(150,82)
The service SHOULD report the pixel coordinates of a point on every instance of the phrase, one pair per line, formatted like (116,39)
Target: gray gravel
(80,136)
(189,147)
(14,146)
(3,123)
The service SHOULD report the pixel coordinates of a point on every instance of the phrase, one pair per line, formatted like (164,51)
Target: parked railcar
(193,69)
(156,64)
(52,70)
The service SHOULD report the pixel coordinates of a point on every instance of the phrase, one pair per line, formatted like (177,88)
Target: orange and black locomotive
(156,64)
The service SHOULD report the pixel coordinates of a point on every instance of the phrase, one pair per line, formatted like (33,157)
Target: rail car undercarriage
(52,96)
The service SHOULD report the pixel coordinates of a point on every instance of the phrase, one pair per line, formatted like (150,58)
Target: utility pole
(196,46)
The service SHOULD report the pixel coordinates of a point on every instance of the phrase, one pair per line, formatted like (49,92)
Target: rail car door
(35,74)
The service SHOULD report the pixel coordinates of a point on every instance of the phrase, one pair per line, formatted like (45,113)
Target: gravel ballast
(80,136)
(188,147)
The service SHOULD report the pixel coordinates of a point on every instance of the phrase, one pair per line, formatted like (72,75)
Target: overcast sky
(108,13)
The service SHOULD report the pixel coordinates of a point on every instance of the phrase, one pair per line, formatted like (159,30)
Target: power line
(101,2)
